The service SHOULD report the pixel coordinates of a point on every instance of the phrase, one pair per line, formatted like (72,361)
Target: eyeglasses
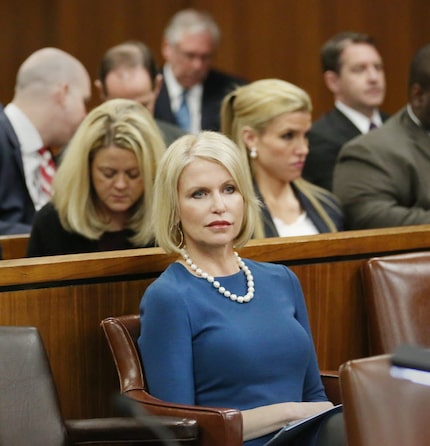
(190,56)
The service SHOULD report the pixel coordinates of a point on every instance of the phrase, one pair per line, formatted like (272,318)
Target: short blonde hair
(125,124)
(210,146)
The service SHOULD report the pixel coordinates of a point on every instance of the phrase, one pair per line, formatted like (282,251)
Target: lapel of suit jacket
(12,145)
(209,104)
(162,109)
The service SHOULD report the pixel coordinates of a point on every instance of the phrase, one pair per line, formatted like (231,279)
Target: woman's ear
(249,136)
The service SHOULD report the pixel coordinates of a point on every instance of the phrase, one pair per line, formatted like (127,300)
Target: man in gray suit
(382,178)
(129,71)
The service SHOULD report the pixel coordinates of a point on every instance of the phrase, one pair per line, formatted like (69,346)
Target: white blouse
(302,226)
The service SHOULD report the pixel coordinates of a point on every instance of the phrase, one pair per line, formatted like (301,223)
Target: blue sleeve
(165,344)
(313,390)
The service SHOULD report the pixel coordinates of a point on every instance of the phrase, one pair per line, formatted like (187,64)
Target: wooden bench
(13,246)
(66,297)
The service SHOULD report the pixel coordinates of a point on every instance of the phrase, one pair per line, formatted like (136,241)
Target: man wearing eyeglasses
(192,90)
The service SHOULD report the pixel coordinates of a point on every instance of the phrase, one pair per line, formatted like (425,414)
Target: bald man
(51,91)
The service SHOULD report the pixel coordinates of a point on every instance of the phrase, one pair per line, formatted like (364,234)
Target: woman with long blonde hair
(269,120)
(102,196)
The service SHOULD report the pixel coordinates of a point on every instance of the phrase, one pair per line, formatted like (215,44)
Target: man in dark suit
(51,91)
(354,73)
(129,71)
(191,87)
(382,178)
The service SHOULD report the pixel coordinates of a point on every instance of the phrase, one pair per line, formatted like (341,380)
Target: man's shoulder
(389,138)
(223,78)
(332,128)
(6,129)
(384,115)
(5,124)
(8,139)
(170,132)
(332,119)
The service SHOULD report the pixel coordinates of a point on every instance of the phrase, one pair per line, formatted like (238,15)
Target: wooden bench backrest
(13,246)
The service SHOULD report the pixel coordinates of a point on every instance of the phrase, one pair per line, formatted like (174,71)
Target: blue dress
(201,348)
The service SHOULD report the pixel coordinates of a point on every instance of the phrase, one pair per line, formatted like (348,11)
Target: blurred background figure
(103,187)
(129,71)
(353,71)
(269,120)
(51,91)
(192,90)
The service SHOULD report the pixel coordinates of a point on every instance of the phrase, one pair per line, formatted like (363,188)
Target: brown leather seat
(29,409)
(397,290)
(218,426)
(382,410)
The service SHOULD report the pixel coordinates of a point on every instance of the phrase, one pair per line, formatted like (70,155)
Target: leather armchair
(217,426)
(382,410)
(397,290)
(29,409)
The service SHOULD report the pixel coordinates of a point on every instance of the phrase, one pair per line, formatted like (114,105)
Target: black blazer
(215,87)
(326,137)
(334,212)
(16,206)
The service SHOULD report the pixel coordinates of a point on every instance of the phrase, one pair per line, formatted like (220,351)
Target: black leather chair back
(29,409)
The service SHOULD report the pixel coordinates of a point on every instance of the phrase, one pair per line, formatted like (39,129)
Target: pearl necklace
(234,297)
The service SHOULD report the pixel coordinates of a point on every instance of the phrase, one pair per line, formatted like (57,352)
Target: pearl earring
(253,153)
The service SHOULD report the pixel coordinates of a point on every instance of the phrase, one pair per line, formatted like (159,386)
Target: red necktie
(47,171)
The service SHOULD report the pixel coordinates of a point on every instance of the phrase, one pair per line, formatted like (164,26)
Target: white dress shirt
(302,226)
(361,121)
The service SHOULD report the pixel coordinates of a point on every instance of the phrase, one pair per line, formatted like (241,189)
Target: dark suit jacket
(16,206)
(49,238)
(215,87)
(382,178)
(333,210)
(326,137)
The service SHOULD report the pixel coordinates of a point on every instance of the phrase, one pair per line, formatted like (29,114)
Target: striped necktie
(47,171)
(183,116)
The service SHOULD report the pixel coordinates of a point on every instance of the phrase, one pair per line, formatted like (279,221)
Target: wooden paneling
(281,38)
(68,318)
